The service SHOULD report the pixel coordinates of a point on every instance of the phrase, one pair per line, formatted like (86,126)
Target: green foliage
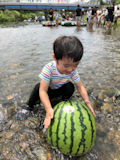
(39,13)
(9,16)
(26,16)
(117,1)
(3,18)
(15,16)
(101,2)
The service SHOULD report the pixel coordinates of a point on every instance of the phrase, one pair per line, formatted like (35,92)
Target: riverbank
(8,17)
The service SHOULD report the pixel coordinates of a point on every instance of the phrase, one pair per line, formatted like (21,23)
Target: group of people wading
(100,16)
(103,16)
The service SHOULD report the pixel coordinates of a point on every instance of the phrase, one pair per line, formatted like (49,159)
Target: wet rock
(7,152)
(40,153)
(107,99)
(1,116)
(117,119)
(111,134)
(3,113)
(49,156)
(101,95)
(110,92)
(6,136)
(15,126)
(22,137)
(117,94)
(13,76)
(118,126)
(24,146)
(100,127)
(9,97)
(107,107)
(9,135)
(31,122)
(11,111)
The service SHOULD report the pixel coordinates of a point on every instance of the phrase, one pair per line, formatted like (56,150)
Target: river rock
(107,107)
(3,113)
(40,153)
(101,95)
(11,111)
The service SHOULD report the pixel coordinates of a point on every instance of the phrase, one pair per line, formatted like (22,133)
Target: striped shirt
(51,75)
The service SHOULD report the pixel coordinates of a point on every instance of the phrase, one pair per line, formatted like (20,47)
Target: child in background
(56,14)
(116,15)
(59,78)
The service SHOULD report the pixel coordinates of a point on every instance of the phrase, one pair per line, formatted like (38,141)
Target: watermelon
(72,131)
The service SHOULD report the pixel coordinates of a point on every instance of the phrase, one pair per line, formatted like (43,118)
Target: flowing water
(24,50)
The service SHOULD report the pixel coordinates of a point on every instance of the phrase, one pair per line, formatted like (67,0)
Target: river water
(24,50)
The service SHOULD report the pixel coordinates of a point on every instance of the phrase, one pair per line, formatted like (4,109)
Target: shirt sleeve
(75,77)
(45,73)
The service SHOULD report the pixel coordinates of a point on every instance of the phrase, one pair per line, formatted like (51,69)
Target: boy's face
(66,65)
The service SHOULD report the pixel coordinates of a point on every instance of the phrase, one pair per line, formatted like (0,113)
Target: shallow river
(24,50)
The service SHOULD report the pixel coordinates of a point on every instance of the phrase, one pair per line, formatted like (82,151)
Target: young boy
(59,78)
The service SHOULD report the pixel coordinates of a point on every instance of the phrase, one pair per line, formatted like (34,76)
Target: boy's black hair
(69,47)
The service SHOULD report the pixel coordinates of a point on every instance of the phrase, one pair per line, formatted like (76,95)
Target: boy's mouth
(67,73)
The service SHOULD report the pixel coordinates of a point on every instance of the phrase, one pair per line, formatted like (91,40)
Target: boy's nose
(70,69)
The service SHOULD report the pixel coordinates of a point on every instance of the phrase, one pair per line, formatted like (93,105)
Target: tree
(97,2)
(117,1)
(101,2)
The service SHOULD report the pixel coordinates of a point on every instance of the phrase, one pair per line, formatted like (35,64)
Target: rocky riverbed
(22,57)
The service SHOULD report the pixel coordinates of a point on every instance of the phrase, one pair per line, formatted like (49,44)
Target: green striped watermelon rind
(74,132)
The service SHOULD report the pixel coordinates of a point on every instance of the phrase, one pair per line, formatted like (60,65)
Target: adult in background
(116,15)
(105,13)
(94,12)
(46,14)
(78,15)
(99,13)
(63,15)
(110,15)
(51,14)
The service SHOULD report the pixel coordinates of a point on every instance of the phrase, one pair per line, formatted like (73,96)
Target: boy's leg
(26,108)
(34,97)
(65,92)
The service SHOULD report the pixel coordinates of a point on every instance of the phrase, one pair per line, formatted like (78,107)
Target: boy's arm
(46,102)
(81,89)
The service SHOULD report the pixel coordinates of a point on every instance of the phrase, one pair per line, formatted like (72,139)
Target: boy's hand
(49,116)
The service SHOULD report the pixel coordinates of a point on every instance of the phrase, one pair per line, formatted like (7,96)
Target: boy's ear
(54,56)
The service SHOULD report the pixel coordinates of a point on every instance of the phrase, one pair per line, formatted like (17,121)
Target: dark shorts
(110,18)
(65,92)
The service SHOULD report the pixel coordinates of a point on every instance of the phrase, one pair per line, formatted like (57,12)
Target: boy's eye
(66,66)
